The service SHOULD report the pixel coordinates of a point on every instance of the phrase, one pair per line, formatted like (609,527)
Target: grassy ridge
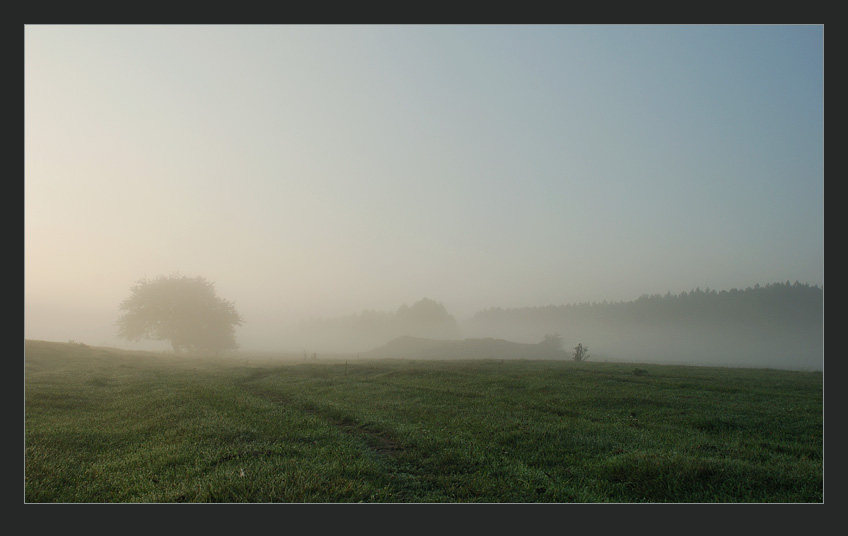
(110,426)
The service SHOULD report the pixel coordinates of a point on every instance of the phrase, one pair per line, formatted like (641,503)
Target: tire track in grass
(376,440)
(410,481)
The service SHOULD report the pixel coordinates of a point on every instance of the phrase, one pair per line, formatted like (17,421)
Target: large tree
(182,310)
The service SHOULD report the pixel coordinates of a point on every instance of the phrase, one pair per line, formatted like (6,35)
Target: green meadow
(112,426)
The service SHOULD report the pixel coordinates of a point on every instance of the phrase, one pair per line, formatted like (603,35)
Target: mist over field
(654,192)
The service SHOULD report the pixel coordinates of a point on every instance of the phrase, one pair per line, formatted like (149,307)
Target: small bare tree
(581,353)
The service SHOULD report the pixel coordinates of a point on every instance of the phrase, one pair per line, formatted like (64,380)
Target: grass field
(107,426)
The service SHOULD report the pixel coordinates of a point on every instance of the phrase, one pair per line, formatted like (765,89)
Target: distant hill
(485,348)
(426,318)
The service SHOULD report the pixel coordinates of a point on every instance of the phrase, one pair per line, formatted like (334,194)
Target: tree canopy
(182,310)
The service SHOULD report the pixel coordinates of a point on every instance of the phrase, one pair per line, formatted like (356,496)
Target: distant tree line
(779,324)
(776,304)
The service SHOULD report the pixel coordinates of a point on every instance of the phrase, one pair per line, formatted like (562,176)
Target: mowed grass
(110,426)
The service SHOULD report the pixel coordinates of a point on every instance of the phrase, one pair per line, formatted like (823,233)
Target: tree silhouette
(581,353)
(182,310)
(552,341)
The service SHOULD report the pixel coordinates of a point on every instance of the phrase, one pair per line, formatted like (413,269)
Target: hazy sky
(322,170)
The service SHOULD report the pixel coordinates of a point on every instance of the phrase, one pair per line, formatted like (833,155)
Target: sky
(320,170)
